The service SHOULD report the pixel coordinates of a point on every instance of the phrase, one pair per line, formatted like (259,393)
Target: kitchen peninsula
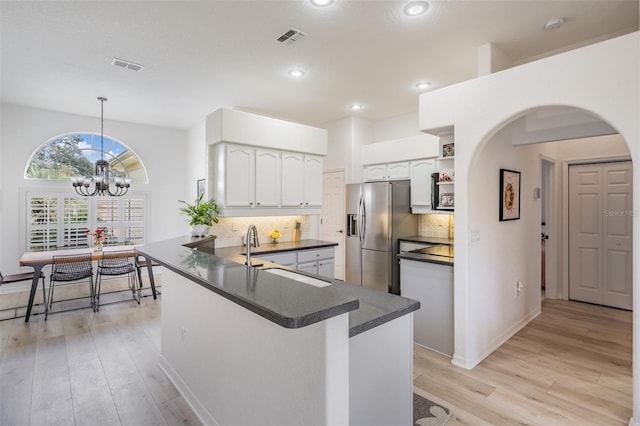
(247,346)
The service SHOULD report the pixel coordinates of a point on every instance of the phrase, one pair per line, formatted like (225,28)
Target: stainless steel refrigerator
(378,213)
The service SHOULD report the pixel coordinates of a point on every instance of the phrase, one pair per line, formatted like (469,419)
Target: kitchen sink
(305,279)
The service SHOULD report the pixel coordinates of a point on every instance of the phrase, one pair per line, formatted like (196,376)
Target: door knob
(340,231)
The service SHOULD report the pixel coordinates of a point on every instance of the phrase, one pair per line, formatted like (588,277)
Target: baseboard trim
(198,408)
(469,364)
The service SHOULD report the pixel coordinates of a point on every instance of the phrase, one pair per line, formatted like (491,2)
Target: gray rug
(428,413)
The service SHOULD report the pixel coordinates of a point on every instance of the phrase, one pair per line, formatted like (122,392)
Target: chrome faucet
(252,240)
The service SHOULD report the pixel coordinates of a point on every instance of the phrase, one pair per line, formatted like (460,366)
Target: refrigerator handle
(363,218)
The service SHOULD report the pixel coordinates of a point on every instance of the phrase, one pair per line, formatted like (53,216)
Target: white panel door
(600,257)
(267,179)
(239,177)
(334,217)
(617,244)
(292,180)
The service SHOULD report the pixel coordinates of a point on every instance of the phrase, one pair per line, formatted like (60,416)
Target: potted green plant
(202,215)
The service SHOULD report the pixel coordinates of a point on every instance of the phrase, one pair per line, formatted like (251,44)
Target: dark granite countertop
(284,301)
(269,247)
(447,261)
(432,240)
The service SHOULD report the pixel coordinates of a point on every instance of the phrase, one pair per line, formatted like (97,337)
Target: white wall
(495,312)
(24,129)
(401,126)
(345,139)
(339,137)
(476,110)
(348,136)
(196,157)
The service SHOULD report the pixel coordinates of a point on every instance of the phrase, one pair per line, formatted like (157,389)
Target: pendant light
(102,179)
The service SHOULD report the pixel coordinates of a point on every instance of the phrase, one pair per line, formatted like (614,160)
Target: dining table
(39,259)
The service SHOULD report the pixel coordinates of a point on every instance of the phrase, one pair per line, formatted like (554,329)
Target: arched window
(75,154)
(60,217)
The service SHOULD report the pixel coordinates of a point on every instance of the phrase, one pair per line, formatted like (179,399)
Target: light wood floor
(571,365)
(86,368)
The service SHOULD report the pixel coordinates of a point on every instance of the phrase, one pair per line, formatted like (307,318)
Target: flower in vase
(275,234)
(97,235)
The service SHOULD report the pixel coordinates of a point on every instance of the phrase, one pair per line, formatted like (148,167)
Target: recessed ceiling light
(356,107)
(423,85)
(321,3)
(416,8)
(296,73)
(554,23)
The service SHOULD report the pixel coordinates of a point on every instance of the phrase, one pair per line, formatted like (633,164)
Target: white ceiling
(202,55)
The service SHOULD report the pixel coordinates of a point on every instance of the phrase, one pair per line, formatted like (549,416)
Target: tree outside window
(75,155)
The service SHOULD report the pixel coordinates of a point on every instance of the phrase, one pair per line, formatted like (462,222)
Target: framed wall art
(509,195)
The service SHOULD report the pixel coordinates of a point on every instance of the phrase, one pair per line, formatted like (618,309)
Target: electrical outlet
(519,287)
(183,334)
(234,226)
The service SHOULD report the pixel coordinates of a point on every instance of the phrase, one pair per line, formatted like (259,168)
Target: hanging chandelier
(103,178)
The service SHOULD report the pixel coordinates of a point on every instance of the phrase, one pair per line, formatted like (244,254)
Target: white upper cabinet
(248,180)
(239,177)
(312,181)
(376,172)
(301,180)
(421,171)
(292,179)
(389,171)
(262,166)
(267,179)
(398,170)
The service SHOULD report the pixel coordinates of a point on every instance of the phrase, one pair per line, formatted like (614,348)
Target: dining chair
(141,264)
(26,276)
(115,263)
(69,268)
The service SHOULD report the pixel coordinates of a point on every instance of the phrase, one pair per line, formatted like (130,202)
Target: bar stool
(116,263)
(71,267)
(27,276)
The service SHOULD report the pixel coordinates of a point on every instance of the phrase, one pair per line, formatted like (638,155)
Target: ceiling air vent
(126,64)
(291,37)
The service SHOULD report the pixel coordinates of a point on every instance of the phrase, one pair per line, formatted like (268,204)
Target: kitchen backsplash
(430,225)
(436,225)
(230,230)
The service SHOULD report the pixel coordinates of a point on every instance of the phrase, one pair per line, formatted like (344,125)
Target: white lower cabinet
(326,268)
(432,285)
(313,261)
(317,261)
(285,259)
(309,267)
